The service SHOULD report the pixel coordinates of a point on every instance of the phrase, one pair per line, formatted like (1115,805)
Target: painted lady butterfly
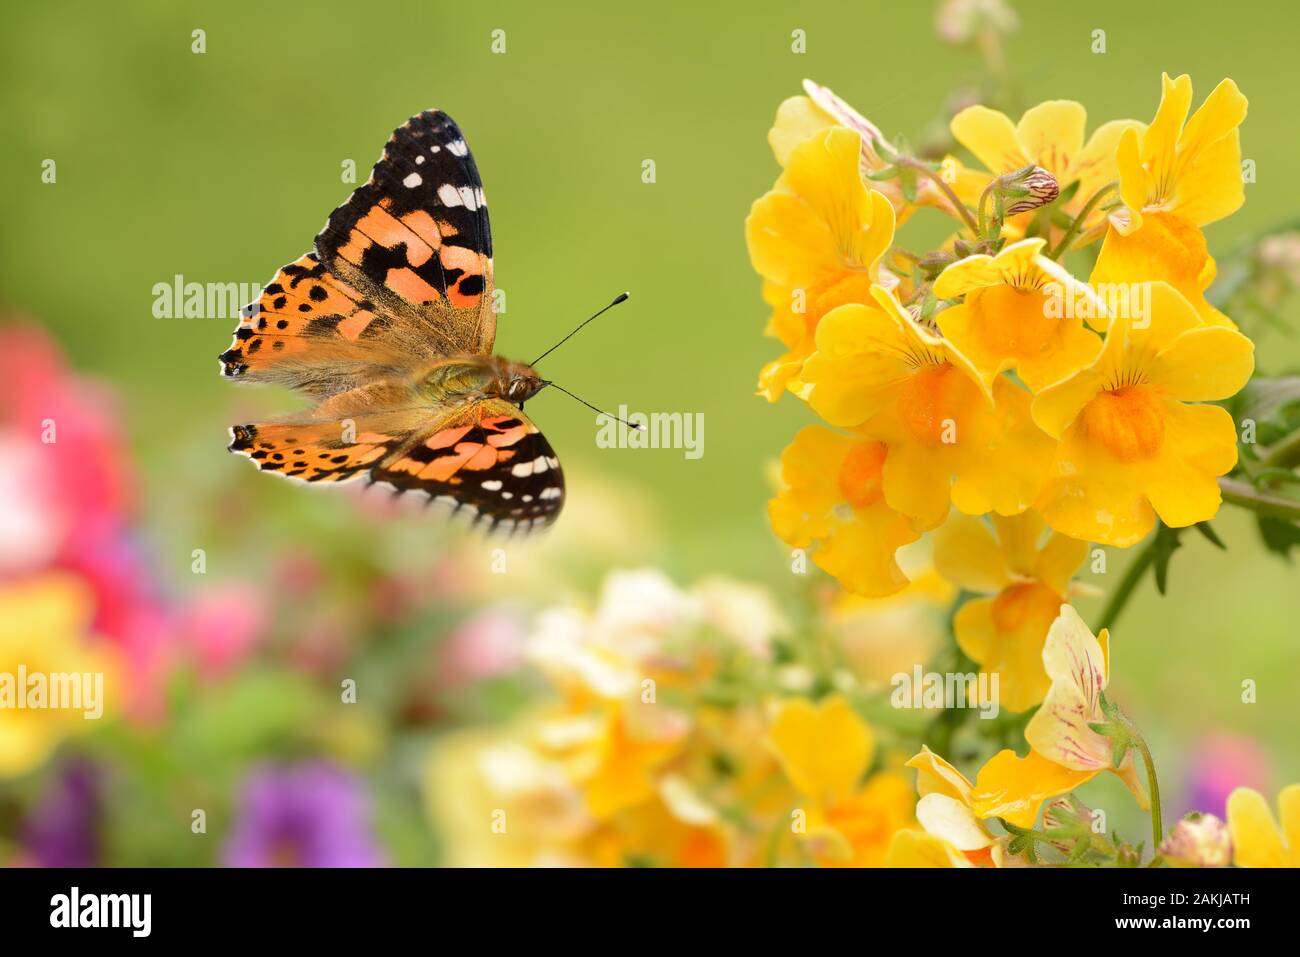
(388,325)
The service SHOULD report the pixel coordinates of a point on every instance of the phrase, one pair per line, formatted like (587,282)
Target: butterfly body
(483,377)
(388,325)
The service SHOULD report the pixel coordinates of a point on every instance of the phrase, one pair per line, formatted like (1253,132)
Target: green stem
(935,178)
(773,856)
(1079,220)
(1245,495)
(1286,453)
(1132,576)
(1153,783)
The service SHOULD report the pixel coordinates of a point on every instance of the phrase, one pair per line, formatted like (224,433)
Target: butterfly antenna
(630,425)
(621,298)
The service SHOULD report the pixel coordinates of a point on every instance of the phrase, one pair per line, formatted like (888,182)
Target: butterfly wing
(487,457)
(484,459)
(401,274)
(416,239)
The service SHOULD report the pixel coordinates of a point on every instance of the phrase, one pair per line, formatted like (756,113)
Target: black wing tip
(241,437)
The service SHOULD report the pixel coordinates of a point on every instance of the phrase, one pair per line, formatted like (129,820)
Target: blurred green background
(222,166)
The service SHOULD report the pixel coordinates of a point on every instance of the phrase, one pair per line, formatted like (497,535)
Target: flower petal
(934,775)
(1077,666)
(1200,445)
(1014,788)
(914,849)
(967,554)
(1204,364)
(952,820)
(1051,135)
(991,136)
(823,748)
(1256,840)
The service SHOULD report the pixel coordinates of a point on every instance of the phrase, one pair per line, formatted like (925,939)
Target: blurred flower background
(298,678)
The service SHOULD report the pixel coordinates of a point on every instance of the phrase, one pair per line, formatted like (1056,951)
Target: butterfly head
(520,382)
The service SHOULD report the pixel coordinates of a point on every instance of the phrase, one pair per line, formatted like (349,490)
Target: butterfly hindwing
(319,449)
(416,237)
(488,458)
(485,459)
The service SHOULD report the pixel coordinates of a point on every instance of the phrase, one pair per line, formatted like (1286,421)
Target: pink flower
(488,645)
(64,501)
(71,426)
(222,625)
(1222,762)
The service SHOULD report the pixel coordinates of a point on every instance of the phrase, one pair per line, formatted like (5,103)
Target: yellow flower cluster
(669,741)
(983,378)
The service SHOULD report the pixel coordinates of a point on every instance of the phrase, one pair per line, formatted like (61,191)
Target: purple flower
(308,815)
(63,830)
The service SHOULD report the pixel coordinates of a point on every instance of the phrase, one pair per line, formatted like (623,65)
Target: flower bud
(1036,188)
(959,21)
(1198,840)
(1070,814)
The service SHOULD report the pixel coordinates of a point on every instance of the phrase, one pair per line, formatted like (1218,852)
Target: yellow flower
(947,433)
(1256,839)
(856,831)
(824,750)
(1131,446)
(1049,135)
(816,239)
(1014,788)
(946,812)
(1175,177)
(1065,752)
(800,117)
(1029,579)
(43,632)
(832,502)
(1020,312)
(617,767)
(912,848)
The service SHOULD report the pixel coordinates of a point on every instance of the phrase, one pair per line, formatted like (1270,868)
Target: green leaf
(907,183)
(1208,531)
(1168,540)
(1279,537)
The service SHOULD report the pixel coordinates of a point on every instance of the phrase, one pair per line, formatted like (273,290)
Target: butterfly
(388,325)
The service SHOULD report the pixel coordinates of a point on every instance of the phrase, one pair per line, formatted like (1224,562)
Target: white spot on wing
(412,181)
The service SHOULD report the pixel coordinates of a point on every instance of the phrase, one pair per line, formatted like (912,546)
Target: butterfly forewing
(416,236)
